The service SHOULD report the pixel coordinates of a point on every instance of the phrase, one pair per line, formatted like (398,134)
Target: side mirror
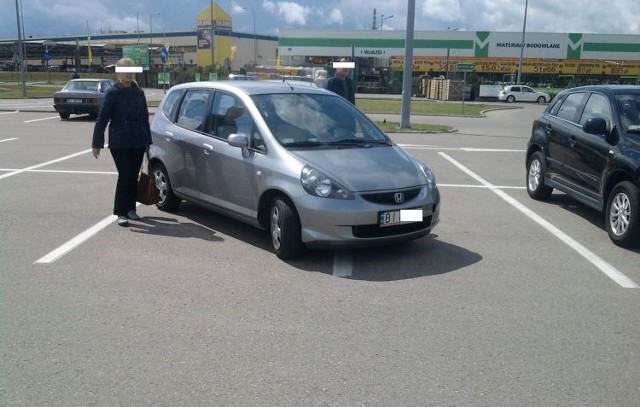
(239,140)
(595,125)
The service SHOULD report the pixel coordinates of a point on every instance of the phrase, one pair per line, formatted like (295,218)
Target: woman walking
(125,110)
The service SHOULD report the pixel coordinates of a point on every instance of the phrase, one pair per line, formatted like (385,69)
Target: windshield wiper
(307,143)
(357,142)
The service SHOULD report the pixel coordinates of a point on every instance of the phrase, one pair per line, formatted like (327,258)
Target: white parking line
(76,241)
(593,258)
(33,167)
(8,139)
(14,112)
(467,149)
(39,120)
(63,171)
(342,263)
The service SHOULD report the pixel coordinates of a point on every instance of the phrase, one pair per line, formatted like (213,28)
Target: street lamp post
(255,43)
(382,18)
(446,72)
(21,53)
(151,43)
(524,27)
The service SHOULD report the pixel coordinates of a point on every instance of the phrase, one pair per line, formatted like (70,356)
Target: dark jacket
(344,88)
(125,110)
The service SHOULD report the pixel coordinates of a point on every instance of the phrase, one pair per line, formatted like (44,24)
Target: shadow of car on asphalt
(418,258)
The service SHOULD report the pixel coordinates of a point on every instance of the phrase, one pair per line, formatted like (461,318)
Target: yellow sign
(529,66)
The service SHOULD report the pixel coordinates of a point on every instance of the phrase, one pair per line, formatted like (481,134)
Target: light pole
(21,53)
(446,72)
(524,27)
(255,43)
(151,43)
(382,18)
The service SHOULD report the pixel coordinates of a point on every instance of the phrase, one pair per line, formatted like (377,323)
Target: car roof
(90,79)
(256,87)
(609,89)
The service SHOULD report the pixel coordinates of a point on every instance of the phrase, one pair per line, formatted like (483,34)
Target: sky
(44,18)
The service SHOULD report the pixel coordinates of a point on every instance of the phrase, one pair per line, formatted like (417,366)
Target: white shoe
(133,215)
(122,220)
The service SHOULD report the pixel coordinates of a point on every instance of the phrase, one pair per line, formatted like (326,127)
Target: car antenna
(284,79)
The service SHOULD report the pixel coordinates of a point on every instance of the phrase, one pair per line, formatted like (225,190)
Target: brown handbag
(148,193)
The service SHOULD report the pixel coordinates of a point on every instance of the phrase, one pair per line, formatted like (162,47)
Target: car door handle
(208,148)
(168,135)
(572,141)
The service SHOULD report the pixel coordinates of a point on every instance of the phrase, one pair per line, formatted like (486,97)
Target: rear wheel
(536,168)
(64,115)
(168,200)
(511,99)
(622,216)
(542,99)
(285,229)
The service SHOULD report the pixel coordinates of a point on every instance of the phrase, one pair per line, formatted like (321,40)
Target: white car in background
(522,93)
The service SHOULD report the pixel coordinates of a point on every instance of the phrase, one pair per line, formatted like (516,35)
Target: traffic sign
(164,55)
(465,67)
(45,57)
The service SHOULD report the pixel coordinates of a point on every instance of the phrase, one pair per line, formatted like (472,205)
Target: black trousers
(128,162)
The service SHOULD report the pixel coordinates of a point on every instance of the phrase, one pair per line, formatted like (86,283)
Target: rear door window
(569,106)
(193,109)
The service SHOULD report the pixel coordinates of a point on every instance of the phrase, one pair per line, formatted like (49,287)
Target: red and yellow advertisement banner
(529,66)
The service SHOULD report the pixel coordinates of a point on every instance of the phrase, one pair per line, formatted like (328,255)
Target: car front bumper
(354,223)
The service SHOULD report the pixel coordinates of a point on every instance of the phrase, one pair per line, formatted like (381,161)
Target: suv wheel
(168,201)
(536,168)
(623,215)
(284,226)
(511,98)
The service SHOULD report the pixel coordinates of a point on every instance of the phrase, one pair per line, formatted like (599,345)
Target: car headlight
(428,174)
(318,184)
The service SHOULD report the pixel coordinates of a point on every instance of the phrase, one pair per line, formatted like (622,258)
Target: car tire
(64,116)
(622,216)
(168,200)
(511,99)
(285,229)
(542,99)
(536,169)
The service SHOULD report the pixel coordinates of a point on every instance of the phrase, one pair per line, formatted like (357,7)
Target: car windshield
(629,109)
(82,85)
(299,120)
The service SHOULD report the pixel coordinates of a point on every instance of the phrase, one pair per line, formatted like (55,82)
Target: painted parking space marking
(591,257)
(467,149)
(8,139)
(39,120)
(14,112)
(33,167)
(342,263)
(63,171)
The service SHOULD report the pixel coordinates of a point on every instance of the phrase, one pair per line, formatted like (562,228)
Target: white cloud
(335,17)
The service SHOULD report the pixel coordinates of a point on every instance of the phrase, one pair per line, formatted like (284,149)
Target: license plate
(392,218)
(74,100)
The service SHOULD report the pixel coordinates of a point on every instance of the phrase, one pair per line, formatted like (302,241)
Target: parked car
(522,93)
(81,96)
(587,145)
(298,161)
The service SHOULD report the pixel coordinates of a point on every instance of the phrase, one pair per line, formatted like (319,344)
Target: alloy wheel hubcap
(276,231)
(161,184)
(620,213)
(534,175)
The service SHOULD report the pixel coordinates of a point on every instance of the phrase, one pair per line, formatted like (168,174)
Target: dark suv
(587,145)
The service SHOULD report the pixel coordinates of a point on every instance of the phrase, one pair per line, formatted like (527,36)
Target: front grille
(368,231)
(388,198)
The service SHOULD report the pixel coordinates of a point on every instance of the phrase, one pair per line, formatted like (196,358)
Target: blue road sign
(45,57)
(164,55)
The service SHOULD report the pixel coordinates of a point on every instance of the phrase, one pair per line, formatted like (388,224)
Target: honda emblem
(398,197)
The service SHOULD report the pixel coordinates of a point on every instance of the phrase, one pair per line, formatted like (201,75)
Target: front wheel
(285,229)
(168,200)
(536,168)
(622,216)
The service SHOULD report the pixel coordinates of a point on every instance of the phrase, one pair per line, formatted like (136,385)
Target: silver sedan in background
(298,161)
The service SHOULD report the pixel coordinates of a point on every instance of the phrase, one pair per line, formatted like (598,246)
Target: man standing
(341,84)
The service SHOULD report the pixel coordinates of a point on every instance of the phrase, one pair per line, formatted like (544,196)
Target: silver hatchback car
(298,161)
